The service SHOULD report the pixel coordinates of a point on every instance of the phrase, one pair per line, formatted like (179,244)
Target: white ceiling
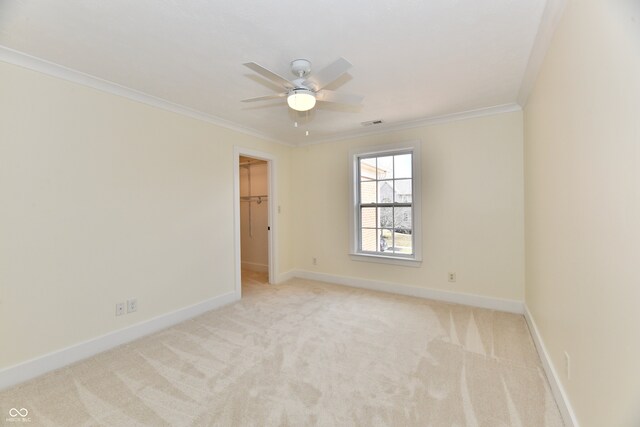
(412,59)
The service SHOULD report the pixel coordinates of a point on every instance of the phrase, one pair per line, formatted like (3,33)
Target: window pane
(385,167)
(368,192)
(369,240)
(385,240)
(403,166)
(403,191)
(403,243)
(402,220)
(367,169)
(385,191)
(368,218)
(385,217)
(385,184)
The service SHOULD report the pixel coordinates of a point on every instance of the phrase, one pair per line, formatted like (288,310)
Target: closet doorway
(254,222)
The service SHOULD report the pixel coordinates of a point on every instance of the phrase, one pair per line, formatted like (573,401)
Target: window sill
(407,262)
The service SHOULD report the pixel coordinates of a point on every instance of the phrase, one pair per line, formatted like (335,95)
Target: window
(386,204)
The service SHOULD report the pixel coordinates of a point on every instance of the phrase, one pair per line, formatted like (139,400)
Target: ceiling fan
(303,92)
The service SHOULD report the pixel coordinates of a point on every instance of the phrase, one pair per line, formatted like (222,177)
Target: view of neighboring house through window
(385,201)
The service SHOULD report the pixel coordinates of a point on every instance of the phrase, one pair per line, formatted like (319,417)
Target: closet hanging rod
(252,162)
(250,199)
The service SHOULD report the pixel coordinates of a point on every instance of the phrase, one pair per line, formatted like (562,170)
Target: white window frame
(356,253)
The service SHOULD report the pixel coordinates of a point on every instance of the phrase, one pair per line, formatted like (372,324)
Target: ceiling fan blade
(340,98)
(265,98)
(329,73)
(269,75)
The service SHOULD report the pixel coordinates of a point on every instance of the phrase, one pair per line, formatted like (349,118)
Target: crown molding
(549,22)
(33,63)
(428,121)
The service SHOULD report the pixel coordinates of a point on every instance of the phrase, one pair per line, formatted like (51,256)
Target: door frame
(271,221)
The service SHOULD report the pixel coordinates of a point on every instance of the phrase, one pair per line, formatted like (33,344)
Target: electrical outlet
(132,305)
(314,260)
(567,365)
(452,277)
(119,309)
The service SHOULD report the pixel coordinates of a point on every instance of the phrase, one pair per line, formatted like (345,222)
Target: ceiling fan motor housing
(300,67)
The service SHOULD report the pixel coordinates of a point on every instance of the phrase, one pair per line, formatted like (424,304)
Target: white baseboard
(568,416)
(24,371)
(254,266)
(283,277)
(511,306)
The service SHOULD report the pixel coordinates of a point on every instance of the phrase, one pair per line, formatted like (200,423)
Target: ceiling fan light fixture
(301,99)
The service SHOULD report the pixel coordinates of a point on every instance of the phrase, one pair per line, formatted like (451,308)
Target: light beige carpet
(304,354)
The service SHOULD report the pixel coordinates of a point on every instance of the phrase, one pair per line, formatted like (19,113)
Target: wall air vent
(372,122)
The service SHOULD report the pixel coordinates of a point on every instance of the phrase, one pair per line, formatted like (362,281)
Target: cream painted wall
(582,180)
(472,188)
(254,217)
(104,199)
